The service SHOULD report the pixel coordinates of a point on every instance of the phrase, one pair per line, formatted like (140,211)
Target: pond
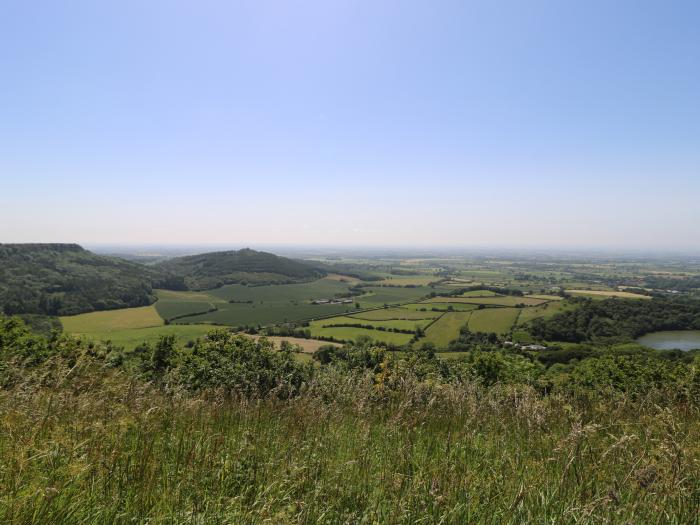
(671,340)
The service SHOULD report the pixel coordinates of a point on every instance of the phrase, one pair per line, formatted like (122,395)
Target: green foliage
(232,431)
(65,279)
(617,320)
(240,365)
(213,270)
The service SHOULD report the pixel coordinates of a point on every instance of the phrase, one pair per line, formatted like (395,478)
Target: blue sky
(538,123)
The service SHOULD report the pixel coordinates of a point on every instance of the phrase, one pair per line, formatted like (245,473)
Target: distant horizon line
(526,248)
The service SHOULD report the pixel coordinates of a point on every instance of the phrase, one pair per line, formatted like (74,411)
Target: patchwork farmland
(391,309)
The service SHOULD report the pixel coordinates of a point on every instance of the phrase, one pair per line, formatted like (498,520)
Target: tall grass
(100,448)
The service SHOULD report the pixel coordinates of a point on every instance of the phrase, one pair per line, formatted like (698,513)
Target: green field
(265,313)
(441,307)
(257,305)
(280,293)
(129,327)
(175,304)
(478,293)
(395,313)
(545,297)
(351,334)
(378,296)
(401,324)
(112,320)
(446,329)
(546,310)
(606,294)
(404,280)
(498,320)
(131,338)
(501,300)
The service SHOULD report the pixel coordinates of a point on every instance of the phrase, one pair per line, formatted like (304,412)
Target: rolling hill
(65,279)
(215,269)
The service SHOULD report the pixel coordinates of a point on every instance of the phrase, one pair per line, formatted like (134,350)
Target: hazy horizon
(464,125)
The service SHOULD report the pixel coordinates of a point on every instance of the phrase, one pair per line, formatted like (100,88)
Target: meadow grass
(172,304)
(401,324)
(235,314)
(544,311)
(446,329)
(130,338)
(345,333)
(479,293)
(497,320)
(441,307)
(115,452)
(395,313)
(605,294)
(379,296)
(501,300)
(546,297)
(112,320)
(413,280)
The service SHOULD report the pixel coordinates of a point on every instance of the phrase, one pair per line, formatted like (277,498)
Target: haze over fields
(368,123)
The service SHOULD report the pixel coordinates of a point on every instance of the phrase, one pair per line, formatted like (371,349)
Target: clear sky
(520,123)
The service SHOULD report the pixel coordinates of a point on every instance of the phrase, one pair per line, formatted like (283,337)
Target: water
(677,339)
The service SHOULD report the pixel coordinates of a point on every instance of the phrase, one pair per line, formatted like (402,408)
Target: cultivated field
(403,312)
(500,300)
(497,320)
(479,293)
(401,324)
(446,329)
(112,320)
(604,294)
(442,307)
(350,334)
(546,310)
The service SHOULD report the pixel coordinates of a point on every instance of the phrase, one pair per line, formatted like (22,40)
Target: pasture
(546,297)
(401,324)
(129,327)
(497,320)
(175,304)
(479,293)
(264,313)
(446,329)
(377,296)
(394,313)
(545,311)
(409,280)
(499,300)
(112,320)
(441,307)
(606,294)
(351,334)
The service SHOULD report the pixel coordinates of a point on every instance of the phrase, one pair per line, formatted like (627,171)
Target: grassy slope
(395,313)
(498,320)
(446,329)
(604,294)
(113,320)
(129,327)
(211,270)
(489,301)
(472,456)
(402,324)
(351,334)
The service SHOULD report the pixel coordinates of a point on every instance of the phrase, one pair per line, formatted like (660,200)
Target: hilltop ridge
(66,279)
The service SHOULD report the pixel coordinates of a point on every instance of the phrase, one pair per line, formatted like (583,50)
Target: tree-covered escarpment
(212,270)
(617,319)
(65,279)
